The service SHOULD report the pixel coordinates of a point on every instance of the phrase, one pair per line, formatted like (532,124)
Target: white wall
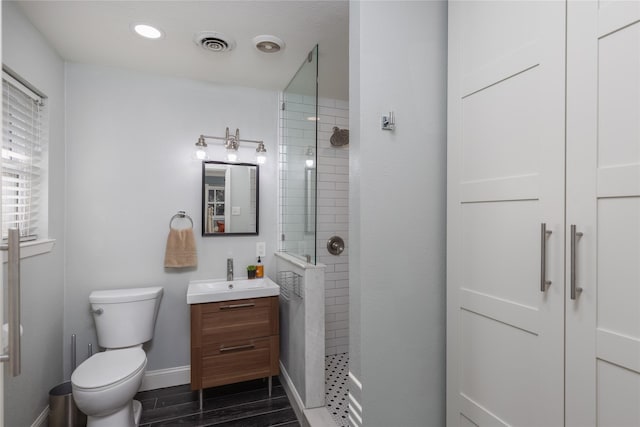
(397,218)
(27,53)
(129,142)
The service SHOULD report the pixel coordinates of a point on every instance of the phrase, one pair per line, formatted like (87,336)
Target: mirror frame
(204,199)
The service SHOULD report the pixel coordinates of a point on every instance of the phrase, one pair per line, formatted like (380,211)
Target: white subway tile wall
(332,205)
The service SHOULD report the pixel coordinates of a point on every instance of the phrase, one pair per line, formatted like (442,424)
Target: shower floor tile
(336,387)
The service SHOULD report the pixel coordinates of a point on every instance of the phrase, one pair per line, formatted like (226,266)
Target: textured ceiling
(99,32)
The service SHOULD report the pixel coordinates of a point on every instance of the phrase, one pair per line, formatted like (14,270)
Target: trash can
(63,411)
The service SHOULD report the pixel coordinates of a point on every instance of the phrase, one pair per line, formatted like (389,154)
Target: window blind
(22,142)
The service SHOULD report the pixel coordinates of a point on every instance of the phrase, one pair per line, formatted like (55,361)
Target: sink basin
(203,291)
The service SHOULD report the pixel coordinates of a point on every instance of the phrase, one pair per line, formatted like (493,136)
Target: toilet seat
(108,368)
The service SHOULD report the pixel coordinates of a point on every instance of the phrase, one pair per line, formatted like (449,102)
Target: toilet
(104,385)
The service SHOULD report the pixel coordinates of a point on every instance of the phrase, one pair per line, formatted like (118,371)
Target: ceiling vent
(214,42)
(268,44)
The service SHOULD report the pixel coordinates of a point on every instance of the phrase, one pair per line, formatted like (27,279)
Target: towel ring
(180,214)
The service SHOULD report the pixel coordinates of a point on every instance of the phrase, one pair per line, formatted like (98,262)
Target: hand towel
(181,249)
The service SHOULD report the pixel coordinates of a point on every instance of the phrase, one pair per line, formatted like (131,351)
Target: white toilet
(104,385)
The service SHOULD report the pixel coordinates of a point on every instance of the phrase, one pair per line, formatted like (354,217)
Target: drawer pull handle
(232,306)
(237,347)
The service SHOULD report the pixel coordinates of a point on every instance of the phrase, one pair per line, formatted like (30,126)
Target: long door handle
(13,274)
(543,257)
(575,235)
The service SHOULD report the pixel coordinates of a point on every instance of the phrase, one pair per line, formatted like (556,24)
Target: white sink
(203,291)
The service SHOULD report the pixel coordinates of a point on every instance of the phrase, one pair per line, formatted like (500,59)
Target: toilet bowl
(104,386)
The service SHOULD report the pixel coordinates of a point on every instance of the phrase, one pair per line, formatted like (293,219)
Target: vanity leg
(270,377)
(200,396)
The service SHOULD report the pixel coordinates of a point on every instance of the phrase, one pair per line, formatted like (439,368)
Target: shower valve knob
(335,245)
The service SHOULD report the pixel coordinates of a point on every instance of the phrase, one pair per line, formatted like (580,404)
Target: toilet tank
(125,317)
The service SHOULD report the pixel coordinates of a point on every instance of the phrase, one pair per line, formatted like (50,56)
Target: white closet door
(603,201)
(505,338)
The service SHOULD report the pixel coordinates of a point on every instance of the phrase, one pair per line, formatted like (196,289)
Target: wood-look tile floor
(245,404)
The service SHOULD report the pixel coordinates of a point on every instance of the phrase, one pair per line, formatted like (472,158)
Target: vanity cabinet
(234,341)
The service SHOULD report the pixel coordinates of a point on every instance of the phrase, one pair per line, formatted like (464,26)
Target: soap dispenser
(259,269)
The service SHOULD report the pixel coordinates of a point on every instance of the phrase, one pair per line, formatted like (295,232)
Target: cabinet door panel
(618,274)
(505,178)
(618,395)
(603,200)
(618,101)
(501,130)
(511,269)
(500,368)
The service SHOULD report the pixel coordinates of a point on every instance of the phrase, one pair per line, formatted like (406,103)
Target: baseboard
(43,418)
(162,378)
(292,393)
(315,417)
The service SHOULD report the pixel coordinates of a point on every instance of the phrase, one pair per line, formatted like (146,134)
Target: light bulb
(311,157)
(261,159)
(201,154)
(232,156)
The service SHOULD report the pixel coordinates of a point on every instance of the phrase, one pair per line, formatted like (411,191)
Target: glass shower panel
(297,163)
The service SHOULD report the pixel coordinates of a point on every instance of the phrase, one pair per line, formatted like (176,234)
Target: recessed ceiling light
(147,31)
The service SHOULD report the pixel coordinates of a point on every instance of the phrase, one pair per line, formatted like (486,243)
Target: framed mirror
(229,198)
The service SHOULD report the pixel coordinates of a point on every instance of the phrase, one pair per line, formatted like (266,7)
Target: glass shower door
(297,162)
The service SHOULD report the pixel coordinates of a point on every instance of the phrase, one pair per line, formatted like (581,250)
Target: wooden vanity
(234,341)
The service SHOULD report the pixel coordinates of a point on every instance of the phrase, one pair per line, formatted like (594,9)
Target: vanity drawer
(239,360)
(238,319)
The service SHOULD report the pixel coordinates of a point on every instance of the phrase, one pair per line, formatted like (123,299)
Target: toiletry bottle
(259,269)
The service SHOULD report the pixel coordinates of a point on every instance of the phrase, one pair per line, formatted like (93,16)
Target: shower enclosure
(314,211)
(297,162)
(300,277)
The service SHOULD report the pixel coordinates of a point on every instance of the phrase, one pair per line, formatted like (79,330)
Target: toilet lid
(108,367)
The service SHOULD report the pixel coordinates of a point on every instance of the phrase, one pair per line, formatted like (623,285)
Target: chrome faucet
(229,268)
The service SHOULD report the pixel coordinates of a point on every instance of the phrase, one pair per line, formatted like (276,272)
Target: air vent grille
(214,42)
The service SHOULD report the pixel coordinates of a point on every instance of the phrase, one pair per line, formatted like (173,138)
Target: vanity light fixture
(310,157)
(231,144)
(261,154)
(201,152)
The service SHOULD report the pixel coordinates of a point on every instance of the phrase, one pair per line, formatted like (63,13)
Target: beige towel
(181,249)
